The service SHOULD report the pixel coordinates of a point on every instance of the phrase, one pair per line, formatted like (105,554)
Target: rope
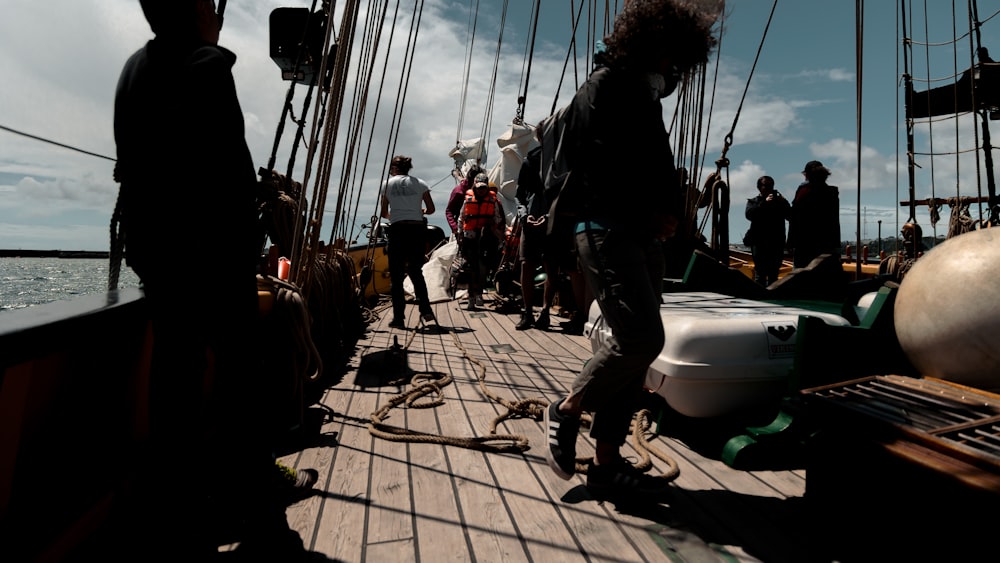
(426,384)
(736,118)
(466,72)
(960,221)
(491,93)
(290,312)
(522,100)
(117,242)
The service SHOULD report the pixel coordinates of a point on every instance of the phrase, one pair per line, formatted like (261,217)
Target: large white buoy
(947,311)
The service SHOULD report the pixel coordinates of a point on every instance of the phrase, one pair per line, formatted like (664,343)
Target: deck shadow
(684,520)
(383,368)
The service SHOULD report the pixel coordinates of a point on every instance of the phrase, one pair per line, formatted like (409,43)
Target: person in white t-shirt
(406,200)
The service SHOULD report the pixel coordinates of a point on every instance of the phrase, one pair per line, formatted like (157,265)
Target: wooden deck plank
(532,505)
(484,504)
(389,517)
(439,531)
(624,540)
(435,502)
(342,525)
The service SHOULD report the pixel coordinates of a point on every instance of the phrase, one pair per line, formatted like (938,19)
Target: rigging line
(366,67)
(384,171)
(715,84)
(977,26)
(588,41)
(859,29)
(411,47)
(298,238)
(954,57)
(447,176)
(373,39)
(569,53)
(897,147)
(930,126)
(328,128)
(350,152)
(347,182)
(702,126)
(469,48)
(44,140)
(907,48)
(729,136)
(361,102)
(491,98)
(526,68)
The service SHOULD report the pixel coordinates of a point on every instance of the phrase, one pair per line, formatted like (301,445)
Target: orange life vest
(477,214)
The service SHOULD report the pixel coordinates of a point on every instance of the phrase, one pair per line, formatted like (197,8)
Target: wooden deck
(398,500)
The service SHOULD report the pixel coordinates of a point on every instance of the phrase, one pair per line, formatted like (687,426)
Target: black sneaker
(542,322)
(525,322)
(428,318)
(621,477)
(561,430)
(396,323)
(574,326)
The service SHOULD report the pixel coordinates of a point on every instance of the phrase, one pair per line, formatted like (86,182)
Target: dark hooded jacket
(188,179)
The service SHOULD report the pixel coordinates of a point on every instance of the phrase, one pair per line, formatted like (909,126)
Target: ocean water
(25,282)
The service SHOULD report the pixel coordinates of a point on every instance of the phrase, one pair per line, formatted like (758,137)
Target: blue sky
(61,60)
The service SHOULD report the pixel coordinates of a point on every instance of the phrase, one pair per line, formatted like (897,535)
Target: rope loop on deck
(426,384)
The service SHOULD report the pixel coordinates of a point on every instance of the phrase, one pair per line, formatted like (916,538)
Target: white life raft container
(721,354)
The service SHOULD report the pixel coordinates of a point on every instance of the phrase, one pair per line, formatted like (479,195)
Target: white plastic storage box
(721,354)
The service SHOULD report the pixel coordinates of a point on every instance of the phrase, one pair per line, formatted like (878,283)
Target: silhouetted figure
(814,222)
(767,213)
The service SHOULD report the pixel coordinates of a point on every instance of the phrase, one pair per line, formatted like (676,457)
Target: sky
(61,59)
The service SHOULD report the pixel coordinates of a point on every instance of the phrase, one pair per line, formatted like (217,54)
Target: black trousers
(407,244)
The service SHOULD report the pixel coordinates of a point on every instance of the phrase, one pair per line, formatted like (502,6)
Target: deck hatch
(958,417)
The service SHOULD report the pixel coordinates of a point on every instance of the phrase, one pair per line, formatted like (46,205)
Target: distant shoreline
(20,253)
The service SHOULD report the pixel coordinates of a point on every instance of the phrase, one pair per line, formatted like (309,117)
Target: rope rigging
(467,71)
(956,100)
(723,161)
(51,142)
(491,92)
(522,99)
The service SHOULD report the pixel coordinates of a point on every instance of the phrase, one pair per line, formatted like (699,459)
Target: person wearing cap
(814,220)
(482,222)
(406,200)
(766,237)
(453,211)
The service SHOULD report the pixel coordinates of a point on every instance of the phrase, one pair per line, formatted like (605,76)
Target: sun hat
(815,166)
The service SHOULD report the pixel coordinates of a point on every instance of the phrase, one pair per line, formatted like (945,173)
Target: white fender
(948,311)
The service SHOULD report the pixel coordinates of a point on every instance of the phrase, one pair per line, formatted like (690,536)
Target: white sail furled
(514,146)
(466,154)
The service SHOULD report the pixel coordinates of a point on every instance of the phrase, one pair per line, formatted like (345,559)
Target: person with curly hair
(618,239)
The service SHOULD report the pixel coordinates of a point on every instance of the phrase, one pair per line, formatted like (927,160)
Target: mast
(908,101)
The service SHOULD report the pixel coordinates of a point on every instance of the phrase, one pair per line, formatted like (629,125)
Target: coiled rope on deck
(426,384)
